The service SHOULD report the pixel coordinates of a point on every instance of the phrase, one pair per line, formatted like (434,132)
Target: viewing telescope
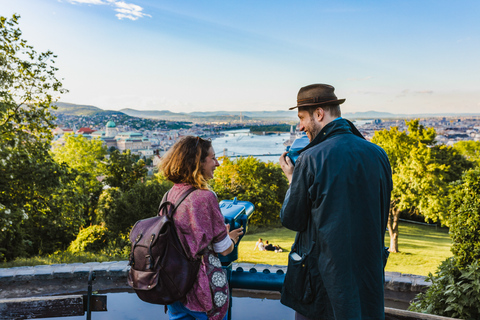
(297,145)
(236,214)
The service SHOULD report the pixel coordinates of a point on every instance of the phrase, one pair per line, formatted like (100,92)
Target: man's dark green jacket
(338,203)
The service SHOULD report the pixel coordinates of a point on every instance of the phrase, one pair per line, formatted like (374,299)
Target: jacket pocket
(298,279)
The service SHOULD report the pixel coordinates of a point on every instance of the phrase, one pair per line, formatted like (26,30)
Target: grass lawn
(422,248)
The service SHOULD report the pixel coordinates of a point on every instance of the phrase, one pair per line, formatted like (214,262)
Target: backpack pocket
(142,280)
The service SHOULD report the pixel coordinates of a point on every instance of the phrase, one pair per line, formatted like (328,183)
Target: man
(338,203)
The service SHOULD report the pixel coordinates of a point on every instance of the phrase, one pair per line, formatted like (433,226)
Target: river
(243,143)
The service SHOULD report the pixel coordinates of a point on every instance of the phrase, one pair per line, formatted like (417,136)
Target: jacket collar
(333,128)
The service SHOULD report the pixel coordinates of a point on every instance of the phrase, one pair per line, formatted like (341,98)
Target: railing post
(91,277)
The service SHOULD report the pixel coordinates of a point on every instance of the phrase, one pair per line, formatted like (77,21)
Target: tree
(86,157)
(120,210)
(82,154)
(465,222)
(469,149)
(28,174)
(420,172)
(250,179)
(455,288)
(124,170)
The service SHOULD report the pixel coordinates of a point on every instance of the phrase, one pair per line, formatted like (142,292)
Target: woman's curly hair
(183,162)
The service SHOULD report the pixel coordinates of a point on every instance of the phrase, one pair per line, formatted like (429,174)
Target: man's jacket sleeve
(296,206)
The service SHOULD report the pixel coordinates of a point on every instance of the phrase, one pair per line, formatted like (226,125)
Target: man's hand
(287,166)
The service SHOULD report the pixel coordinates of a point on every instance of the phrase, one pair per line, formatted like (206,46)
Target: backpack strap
(165,202)
(179,201)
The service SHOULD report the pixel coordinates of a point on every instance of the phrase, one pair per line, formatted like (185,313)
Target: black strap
(180,200)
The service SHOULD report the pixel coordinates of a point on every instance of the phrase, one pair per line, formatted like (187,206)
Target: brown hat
(316,95)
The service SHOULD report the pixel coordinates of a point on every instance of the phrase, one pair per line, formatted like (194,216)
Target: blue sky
(396,56)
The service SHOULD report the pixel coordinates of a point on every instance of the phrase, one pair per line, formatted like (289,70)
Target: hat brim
(339,101)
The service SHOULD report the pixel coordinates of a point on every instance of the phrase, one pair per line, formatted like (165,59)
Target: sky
(398,56)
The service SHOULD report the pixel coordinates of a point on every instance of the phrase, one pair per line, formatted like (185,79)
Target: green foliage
(465,222)
(452,160)
(455,289)
(469,149)
(270,128)
(29,177)
(120,210)
(250,179)
(124,170)
(82,154)
(107,205)
(90,239)
(454,292)
(421,173)
(85,158)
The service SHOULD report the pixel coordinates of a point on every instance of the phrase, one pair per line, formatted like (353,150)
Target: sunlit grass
(278,236)
(62,258)
(422,248)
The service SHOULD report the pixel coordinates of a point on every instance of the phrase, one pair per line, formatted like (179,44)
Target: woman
(191,162)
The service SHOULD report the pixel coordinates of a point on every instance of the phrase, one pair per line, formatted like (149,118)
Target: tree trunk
(392,224)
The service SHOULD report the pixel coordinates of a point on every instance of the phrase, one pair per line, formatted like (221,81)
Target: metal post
(228,268)
(91,277)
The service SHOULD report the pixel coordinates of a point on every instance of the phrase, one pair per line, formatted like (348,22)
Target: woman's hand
(235,236)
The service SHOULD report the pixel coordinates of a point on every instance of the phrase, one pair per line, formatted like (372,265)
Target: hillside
(202,116)
(279,115)
(82,110)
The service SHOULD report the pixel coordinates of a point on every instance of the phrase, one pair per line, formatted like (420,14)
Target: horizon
(439,114)
(404,57)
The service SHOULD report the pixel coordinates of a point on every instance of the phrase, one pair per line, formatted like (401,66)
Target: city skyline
(399,57)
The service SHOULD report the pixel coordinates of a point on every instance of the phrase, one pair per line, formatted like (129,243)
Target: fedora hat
(317,95)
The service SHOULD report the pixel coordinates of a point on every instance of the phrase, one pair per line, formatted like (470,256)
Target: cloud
(407,92)
(125,10)
(129,11)
(87,1)
(424,92)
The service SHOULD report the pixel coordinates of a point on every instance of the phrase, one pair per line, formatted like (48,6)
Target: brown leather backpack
(161,272)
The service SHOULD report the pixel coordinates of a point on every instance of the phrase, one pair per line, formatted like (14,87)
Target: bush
(455,289)
(465,222)
(91,239)
(453,293)
(250,179)
(120,210)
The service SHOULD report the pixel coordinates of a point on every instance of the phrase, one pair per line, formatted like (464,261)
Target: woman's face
(209,164)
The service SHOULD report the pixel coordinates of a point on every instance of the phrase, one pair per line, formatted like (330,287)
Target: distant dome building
(134,141)
(111,129)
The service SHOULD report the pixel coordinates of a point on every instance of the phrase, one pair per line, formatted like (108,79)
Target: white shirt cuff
(222,245)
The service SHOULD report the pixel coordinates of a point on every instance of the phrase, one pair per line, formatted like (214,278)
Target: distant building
(111,137)
(111,129)
(60,131)
(84,131)
(134,141)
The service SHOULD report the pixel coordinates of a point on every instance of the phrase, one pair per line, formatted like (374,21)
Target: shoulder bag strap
(163,200)
(179,201)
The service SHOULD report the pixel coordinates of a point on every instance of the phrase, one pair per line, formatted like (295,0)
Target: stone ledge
(73,278)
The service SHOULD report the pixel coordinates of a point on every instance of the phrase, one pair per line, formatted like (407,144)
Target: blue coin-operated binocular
(297,145)
(236,214)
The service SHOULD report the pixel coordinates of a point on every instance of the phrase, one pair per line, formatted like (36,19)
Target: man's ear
(319,114)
